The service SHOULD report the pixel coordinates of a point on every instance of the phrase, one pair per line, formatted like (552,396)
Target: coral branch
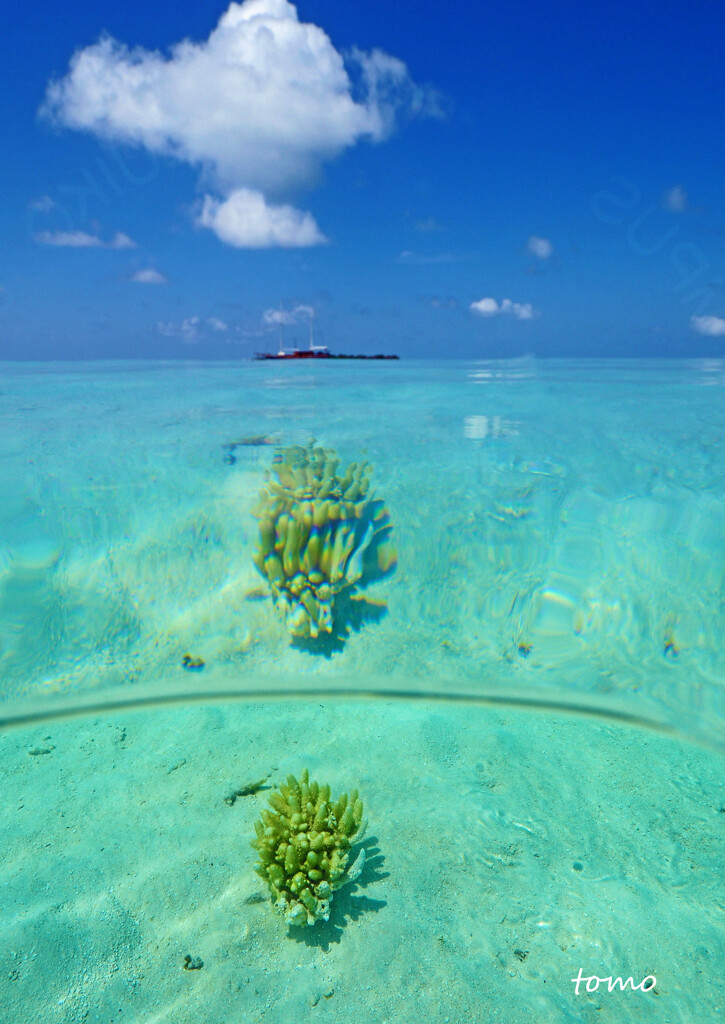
(315,528)
(303,848)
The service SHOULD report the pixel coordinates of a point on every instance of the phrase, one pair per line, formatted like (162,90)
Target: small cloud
(421,259)
(44,204)
(188,330)
(273,317)
(72,239)
(541,248)
(121,241)
(675,199)
(246,221)
(83,240)
(486,307)
(192,328)
(148,276)
(490,307)
(713,326)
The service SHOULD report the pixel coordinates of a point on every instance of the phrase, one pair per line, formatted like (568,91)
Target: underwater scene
(362,692)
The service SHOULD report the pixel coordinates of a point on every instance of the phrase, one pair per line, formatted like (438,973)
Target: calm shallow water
(561,536)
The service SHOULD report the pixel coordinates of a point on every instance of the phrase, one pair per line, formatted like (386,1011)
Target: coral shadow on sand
(352,612)
(347,906)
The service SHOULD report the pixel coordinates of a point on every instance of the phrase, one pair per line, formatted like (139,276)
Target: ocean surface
(530,698)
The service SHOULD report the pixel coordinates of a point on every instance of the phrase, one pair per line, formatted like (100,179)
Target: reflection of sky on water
(487,372)
(712,372)
(478,428)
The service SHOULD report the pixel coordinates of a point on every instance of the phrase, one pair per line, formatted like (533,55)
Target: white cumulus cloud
(84,240)
(149,276)
(259,106)
(247,221)
(540,247)
(490,307)
(714,326)
(216,324)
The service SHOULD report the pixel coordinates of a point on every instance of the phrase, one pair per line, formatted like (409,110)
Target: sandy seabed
(504,852)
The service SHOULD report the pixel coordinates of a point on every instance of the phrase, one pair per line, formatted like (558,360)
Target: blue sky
(469,179)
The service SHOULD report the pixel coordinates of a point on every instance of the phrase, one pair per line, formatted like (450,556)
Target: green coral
(315,528)
(303,844)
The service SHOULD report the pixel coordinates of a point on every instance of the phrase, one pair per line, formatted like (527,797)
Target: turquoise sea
(530,698)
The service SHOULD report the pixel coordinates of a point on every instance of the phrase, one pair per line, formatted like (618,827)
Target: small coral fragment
(192,664)
(316,529)
(303,844)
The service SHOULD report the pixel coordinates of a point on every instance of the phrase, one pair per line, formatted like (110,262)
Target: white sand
(120,857)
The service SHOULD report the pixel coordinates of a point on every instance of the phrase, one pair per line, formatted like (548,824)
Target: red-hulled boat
(313,352)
